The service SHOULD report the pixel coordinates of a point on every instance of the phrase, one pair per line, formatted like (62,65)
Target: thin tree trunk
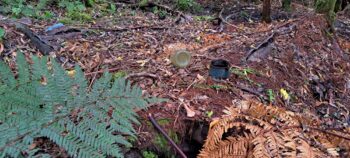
(266,13)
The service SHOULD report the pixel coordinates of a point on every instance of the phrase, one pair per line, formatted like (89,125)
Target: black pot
(219,69)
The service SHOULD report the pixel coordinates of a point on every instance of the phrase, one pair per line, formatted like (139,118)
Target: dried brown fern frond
(251,129)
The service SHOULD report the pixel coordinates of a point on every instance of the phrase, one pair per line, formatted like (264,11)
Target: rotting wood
(142,74)
(43,47)
(263,44)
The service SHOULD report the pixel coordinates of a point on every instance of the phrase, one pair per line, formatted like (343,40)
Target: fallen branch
(155,124)
(142,74)
(43,47)
(152,27)
(252,91)
(225,21)
(264,43)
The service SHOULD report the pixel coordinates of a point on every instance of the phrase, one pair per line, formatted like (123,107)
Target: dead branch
(43,47)
(152,27)
(142,74)
(224,20)
(264,43)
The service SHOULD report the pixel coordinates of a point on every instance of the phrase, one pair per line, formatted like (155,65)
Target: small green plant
(161,13)
(188,5)
(119,74)
(149,154)
(112,8)
(163,145)
(17,8)
(286,5)
(2,33)
(203,18)
(218,87)
(244,73)
(47,15)
(244,14)
(271,95)
(209,113)
(143,3)
(75,9)
(163,121)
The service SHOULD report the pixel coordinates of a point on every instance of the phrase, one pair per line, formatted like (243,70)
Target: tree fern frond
(79,87)
(45,102)
(39,68)
(6,76)
(23,69)
(100,86)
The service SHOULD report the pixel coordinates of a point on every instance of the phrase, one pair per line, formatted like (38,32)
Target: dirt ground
(301,56)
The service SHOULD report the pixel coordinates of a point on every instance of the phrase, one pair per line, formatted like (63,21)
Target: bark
(266,13)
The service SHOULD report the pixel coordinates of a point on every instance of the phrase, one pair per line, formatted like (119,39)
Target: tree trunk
(266,13)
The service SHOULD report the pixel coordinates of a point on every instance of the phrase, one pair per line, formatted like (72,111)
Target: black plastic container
(219,69)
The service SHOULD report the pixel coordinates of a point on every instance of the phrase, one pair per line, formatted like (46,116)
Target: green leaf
(2,33)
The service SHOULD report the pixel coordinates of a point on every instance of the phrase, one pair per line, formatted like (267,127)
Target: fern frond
(45,102)
(23,69)
(256,125)
(6,76)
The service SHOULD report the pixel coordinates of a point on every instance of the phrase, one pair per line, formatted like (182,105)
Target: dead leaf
(71,73)
(190,112)
(32,146)
(200,78)
(142,62)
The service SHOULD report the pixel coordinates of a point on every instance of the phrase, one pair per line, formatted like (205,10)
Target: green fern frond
(6,76)
(23,69)
(45,102)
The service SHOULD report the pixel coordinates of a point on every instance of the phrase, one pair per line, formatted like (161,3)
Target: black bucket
(219,69)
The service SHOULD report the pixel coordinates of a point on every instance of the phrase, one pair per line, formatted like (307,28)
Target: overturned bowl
(181,58)
(219,69)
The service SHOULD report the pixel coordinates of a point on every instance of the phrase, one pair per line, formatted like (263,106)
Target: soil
(304,59)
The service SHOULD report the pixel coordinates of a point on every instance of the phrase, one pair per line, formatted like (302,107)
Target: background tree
(266,12)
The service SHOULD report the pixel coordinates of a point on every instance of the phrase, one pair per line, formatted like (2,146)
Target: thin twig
(101,71)
(224,20)
(264,43)
(155,124)
(142,74)
(152,27)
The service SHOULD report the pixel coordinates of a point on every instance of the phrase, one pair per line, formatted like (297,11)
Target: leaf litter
(304,70)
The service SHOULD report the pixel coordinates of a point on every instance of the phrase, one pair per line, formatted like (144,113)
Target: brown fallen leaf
(190,112)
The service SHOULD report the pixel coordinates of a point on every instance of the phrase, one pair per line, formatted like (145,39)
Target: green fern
(43,101)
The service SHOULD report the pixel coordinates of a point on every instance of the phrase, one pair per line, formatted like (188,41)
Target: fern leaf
(45,102)
(23,69)
(6,76)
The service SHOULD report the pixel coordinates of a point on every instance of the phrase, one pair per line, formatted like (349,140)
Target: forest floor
(296,54)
